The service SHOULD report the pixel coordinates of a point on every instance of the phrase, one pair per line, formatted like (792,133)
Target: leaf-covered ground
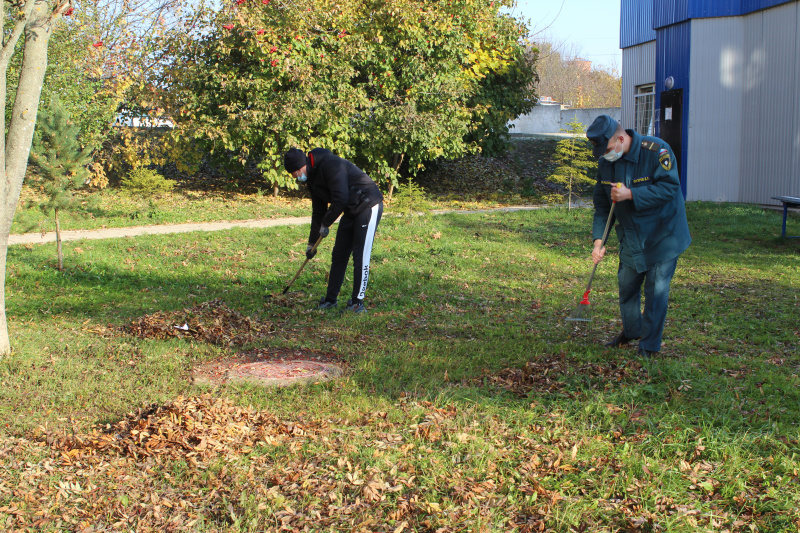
(203,462)
(519,176)
(468,402)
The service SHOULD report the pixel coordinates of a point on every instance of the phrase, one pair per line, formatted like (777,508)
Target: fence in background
(553,119)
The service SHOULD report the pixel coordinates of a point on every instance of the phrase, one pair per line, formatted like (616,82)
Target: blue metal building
(718,80)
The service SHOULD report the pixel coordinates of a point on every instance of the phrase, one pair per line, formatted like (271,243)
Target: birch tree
(31,22)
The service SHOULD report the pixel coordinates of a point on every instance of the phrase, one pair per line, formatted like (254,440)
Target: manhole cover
(270,367)
(283,372)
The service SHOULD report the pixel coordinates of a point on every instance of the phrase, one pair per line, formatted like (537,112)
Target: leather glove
(310,252)
(323,231)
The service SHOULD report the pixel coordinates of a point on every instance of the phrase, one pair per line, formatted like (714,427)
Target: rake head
(581,312)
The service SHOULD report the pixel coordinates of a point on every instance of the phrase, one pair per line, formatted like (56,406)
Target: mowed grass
(469,403)
(115,208)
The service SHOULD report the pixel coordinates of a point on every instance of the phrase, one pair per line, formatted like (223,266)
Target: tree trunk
(20,133)
(58,244)
(275,190)
(397,160)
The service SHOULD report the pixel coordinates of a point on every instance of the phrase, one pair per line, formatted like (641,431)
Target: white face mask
(613,155)
(302,178)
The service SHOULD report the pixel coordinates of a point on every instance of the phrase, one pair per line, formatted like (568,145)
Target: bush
(410,201)
(146,182)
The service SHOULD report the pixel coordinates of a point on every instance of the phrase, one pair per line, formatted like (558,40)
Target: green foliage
(576,163)
(74,77)
(384,84)
(58,158)
(410,200)
(503,94)
(60,163)
(146,182)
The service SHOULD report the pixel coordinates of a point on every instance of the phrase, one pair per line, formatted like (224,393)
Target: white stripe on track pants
(355,236)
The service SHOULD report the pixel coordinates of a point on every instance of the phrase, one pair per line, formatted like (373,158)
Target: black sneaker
(355,307)
(324,304)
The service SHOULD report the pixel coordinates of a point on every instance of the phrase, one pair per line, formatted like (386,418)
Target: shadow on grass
(451,313)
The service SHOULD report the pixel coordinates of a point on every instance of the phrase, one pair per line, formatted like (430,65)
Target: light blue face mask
(612,155)
(302,178)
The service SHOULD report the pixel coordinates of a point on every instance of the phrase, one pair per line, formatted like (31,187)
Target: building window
(644,109)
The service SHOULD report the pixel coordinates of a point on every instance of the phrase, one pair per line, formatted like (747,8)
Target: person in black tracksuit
(338,187)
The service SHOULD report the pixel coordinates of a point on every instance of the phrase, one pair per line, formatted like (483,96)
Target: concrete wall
(553,119)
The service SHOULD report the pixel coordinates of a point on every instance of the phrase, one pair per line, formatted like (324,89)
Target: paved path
(134,231)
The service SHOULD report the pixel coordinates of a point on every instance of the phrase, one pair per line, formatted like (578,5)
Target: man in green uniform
(639,174)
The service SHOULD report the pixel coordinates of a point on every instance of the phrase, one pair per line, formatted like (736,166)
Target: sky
(588,28)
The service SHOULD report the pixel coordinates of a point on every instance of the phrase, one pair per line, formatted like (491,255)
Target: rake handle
(605,238)
(302,266)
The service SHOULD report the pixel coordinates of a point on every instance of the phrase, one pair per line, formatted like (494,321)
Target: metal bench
(788,201)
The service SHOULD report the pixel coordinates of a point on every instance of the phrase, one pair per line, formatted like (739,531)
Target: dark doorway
(671,126)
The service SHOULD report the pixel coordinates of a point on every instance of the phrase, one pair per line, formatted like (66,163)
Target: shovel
(313,249)
(581,312)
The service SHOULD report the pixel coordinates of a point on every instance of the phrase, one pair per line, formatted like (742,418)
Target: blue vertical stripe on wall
(714,8)
(639,19)
(673,48)
(666,12)
(636,23)
(748,6)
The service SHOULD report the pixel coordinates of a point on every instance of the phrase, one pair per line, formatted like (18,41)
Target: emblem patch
(664,159)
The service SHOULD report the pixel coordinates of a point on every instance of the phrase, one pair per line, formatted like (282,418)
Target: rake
(302,266)
(581,312)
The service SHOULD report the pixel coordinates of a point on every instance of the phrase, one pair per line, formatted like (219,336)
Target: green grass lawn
(469,403)
(114,208)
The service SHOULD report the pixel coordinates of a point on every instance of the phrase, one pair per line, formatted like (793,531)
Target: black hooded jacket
(337,186)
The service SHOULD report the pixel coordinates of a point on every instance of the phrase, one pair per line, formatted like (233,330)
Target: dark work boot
(647,354)
(620,340)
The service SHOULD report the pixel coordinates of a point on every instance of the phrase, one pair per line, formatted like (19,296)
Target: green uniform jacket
(652,227)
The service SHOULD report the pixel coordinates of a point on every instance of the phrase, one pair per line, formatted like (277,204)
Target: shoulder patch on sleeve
(650,145)
(664,159)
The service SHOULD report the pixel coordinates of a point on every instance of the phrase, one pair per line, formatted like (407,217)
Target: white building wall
(744,108)
(716,72)
(638,68)
(770,161)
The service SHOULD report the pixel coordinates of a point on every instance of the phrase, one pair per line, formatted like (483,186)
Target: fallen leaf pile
(524,168)
(205,464)
(550,375)
(211,322)
(471,174)
(194,429)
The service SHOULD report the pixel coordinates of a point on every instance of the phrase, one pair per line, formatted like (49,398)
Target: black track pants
(354,236)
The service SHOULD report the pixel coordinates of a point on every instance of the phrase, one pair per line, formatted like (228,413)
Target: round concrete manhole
(270,367)
(284,372)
